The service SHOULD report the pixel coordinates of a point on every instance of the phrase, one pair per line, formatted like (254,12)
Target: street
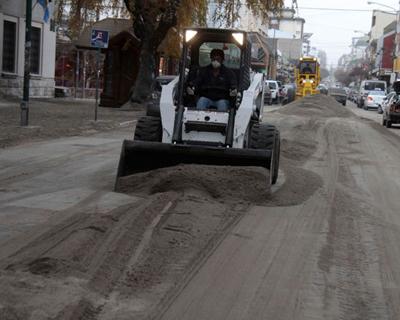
(333,256)
(200,242)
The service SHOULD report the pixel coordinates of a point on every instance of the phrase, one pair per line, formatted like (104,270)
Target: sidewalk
(58,117)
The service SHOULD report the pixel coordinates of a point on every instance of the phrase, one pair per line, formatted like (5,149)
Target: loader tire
(148,129)
(266,136)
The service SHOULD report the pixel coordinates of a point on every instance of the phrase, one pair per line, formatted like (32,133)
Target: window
(373,20)
(307,67)
(9,46)
(35,50)
(374,85)
(231,51)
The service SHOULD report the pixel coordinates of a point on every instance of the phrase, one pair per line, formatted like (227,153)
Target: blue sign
(99,39)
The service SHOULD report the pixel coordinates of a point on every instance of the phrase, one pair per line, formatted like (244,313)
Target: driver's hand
(233,93)
(190,91)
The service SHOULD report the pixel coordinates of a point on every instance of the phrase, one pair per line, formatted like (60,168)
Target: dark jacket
(215,88)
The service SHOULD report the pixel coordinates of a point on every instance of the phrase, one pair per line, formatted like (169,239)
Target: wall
(290,48)
(382,19)
(388,45)
(42,84)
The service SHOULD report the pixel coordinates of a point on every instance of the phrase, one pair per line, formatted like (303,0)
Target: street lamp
(382,5)
(360,31)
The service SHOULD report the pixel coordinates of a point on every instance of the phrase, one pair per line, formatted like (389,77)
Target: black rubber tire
(275,159)
(344,103)
(383,121)
(153,110)
(388,124)
(148,129)
(266,136)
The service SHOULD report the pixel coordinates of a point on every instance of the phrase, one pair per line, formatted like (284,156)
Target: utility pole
(27,65)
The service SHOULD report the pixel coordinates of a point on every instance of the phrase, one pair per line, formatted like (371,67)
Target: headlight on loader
(239,37)
(190,34)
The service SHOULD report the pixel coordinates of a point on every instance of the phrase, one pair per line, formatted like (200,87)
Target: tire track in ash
(347,261)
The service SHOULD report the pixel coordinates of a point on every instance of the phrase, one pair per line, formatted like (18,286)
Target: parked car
(153,107)
(281,91)
(274,87)
(367,86)
(290,93)
(267,95)
(339,94)
(391,111)
(323,89)
(353,95)
(373,99)
(385,101)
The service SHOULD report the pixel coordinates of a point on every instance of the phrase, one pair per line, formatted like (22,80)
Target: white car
(374,99)
(367,86)
(385,102)
(274,87)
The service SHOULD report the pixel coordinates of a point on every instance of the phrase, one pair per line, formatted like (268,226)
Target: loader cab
(197,46)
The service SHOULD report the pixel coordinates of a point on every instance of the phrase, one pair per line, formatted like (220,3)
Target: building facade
(385,53)
(380,20)
(286,21)
(12,48)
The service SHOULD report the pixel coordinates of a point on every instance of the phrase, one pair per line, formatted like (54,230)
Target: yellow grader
(308,76)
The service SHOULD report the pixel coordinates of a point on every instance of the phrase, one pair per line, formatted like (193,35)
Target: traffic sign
(99,39)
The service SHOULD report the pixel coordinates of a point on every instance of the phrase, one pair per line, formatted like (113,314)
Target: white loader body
(251,105)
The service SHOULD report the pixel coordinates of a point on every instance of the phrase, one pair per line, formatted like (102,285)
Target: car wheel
(380,111)
(383,121)
(388,124)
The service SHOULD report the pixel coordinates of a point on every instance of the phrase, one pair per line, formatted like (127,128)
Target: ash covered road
(198,242)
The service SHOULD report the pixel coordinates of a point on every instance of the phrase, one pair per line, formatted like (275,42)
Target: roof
(113,25)
(265,43)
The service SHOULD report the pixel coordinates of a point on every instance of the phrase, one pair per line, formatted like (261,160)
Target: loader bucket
(141,156)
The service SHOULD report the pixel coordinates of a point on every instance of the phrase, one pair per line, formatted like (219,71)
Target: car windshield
(376,93)
(372,86)
(272,85)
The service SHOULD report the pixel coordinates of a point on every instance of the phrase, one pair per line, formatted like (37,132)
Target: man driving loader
(215,84)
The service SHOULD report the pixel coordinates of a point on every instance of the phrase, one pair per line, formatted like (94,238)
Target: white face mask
(215,64)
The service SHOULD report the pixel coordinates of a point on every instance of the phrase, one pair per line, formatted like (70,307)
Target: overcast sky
(333,30)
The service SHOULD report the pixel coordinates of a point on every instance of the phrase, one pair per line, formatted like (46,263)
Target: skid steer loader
(179,133)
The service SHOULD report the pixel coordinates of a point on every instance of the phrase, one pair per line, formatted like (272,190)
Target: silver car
(385,102)
(374,99)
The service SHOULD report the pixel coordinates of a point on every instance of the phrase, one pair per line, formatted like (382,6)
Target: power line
(336,9)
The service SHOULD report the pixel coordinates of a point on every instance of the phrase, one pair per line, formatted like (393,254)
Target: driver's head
(217,57)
